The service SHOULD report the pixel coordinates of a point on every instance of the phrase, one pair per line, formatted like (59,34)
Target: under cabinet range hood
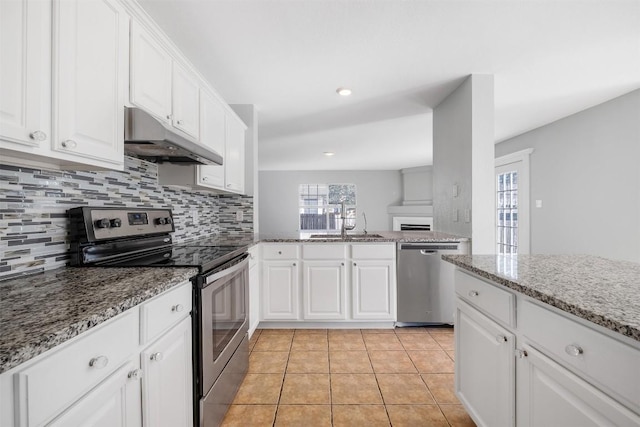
(149,139)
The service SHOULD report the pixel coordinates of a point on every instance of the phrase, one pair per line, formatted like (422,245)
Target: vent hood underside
(149,139)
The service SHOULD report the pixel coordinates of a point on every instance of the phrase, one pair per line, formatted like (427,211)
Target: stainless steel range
(137,237)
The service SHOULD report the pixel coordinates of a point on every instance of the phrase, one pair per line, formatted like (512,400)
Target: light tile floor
(349,377)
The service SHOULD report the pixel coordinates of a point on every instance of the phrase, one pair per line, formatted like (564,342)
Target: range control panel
(117,223)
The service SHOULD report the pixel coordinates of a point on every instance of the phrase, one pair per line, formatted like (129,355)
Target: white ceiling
(550,59)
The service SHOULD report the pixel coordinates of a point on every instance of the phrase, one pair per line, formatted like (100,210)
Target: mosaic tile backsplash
(34,230)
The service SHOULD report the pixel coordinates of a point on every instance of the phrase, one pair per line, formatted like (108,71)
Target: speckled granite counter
(599,290)
(387,236)
(41,311)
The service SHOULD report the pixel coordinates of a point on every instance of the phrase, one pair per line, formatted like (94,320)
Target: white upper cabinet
(25,55)
(186,93)
(212,134)
(151,65)
(234,155)
(89,78)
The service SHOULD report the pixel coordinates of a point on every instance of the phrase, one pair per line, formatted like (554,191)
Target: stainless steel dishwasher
(425,283)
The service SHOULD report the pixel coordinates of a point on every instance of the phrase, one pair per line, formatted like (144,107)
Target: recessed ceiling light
(329,153)
(343,91)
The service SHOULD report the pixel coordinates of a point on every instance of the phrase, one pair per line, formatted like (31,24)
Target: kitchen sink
(348,237)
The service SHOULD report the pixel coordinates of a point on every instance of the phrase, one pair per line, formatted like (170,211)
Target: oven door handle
(228,271)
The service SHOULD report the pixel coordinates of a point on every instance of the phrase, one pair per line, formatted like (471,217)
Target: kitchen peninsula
(548,339)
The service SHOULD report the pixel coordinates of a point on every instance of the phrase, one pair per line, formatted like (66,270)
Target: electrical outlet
(455,190)
(538,203)
(467,215)
(239,216)
(454,216)
(194,216)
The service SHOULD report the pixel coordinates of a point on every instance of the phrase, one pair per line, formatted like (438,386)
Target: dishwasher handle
(428,252)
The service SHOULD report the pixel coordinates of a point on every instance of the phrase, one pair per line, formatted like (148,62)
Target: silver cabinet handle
(294,264)
(520,354)
(179,122)
(168,116)
(136,374)
(473,293)
(156,357)
(501,338)
(99,362)
(573,350)
(205,178)
(69,143)
(342,263)
(177,308)
(38,135)
(355,264)
(228,185)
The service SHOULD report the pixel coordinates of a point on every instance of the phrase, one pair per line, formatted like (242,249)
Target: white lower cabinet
(337,282)
(167,380)
(546,369)
(485,375)
(111,375)
(550,395)
(113,403)
(373,290)
(280,290)
(254,288)
(323,290)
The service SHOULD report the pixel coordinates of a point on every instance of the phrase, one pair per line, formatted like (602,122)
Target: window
(507,212)
(512,203)
(320,204)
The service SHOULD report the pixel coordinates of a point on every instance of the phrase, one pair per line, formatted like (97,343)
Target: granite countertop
(599,290)
(387,236)
(44,310)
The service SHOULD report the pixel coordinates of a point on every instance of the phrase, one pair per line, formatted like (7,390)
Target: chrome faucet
(343,217)
(364,231)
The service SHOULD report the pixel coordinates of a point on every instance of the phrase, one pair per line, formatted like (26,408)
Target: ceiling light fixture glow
(329,153)
(343,91)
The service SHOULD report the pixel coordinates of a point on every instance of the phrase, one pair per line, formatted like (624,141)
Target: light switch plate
(454,216)
(467,215)
(239,216)
(538,203)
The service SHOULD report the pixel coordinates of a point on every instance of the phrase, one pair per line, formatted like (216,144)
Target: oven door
(223,319)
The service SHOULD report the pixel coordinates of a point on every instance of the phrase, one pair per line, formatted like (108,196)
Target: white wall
(279,196)
(586,170)
(463,153)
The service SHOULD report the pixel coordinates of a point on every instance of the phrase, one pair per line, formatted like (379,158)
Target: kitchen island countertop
(599,290)
(41,311)
(387,236)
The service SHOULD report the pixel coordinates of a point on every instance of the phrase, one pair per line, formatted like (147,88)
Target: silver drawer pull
(136,374)
(473,293)
(156,357)
(573,350)
(177,308)
(179,122)
(501,339)
(38,135)
(99,362)
(520,354)
(69,143)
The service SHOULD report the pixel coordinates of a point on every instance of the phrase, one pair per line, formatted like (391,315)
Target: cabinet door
(234,156)
(374,290)
(90,60)
(25,58)
(186,108)
(485,367)
(254,290)
(150,84)
(113,403)
(323,290)
(280,290)
(549,395)
(213,135)
(167,381)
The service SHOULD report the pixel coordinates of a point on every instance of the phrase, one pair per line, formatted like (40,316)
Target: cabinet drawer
(324,251)
(164,311)
(609,362)
(494,301)
(280,251)
(52,384)
(376,251)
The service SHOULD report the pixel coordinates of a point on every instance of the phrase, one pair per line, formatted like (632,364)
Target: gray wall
(279,196)
(586,170)
(463,153)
